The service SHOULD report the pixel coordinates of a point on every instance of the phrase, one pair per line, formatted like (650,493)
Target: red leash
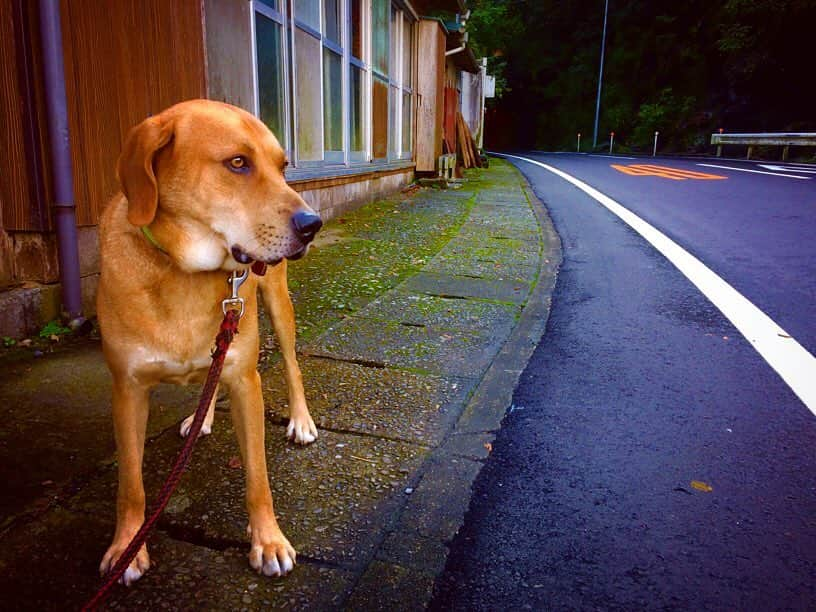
(233,309)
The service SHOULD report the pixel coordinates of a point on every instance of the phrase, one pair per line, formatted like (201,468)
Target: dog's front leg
(130,410)
(270,552)
(206,426)
(275,290)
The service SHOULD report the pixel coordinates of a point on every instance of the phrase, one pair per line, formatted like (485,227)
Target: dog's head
(210,176)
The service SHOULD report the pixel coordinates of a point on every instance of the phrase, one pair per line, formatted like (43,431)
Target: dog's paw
(301,430)
(206,426)
(271,554)
(136,569)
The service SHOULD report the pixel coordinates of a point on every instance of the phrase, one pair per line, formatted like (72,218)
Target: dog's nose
(306,225)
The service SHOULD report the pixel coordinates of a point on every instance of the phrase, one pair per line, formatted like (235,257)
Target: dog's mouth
(242,257)
(299,253)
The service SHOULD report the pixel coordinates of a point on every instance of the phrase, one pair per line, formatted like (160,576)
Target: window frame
(400,86)
(259,6)
(364,155)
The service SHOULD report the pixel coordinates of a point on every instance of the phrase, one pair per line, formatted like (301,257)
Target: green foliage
(681,68)
(8,342)
(669,115)
(492,26)
(54,328)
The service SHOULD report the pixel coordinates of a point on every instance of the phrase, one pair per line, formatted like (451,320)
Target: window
(307,74)
(380,11)
(407,87)
(357,83)
(401,78)
(333,80)
(269,61)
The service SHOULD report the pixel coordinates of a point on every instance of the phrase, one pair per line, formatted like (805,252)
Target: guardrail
(785,140)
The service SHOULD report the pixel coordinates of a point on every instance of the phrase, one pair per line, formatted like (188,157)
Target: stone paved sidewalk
(416,316)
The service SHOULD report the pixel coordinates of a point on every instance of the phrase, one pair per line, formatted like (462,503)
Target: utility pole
(600,78)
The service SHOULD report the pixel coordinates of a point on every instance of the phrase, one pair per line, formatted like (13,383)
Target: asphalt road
(653,459)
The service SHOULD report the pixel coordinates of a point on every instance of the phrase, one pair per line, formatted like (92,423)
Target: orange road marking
(674,174)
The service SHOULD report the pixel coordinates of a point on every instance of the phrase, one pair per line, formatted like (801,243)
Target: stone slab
(392,588)
(486,263)
(459,353)
(331,497)
(508,291)
(420,309)
(396,404)
(438,504)
(67,547)
(60,405)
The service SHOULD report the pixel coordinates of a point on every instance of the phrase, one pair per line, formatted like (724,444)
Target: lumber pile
(468,151)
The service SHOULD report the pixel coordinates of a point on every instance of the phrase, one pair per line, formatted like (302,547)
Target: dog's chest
(179,372)
(181,365)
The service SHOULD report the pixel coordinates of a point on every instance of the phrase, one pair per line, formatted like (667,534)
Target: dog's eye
(238,164)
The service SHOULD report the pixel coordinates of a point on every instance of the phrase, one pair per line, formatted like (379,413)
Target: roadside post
(719,147)
(611,141)
(579,142)
(654,151)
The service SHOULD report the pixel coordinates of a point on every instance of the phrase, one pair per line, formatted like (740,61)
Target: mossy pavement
(416,315)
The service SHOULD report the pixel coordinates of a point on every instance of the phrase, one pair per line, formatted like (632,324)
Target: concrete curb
(414,551)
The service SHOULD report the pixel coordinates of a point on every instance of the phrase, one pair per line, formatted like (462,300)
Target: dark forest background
(683,68)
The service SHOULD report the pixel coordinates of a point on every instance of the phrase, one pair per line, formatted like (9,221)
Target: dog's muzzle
(305,226)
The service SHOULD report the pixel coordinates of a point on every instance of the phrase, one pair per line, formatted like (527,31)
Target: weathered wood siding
(430,96)
(24,192)
(124,61)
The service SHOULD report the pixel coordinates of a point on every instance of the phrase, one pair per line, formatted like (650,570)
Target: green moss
(378,246)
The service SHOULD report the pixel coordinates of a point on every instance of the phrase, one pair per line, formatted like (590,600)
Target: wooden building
(355,90)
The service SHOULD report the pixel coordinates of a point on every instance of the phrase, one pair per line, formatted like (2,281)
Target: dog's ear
(135,168)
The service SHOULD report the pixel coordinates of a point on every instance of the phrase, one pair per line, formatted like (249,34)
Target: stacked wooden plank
(468,151)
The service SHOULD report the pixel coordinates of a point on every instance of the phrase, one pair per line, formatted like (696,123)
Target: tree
(681,68)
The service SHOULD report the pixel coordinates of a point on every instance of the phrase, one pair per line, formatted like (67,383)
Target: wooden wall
(24,192)
(429,89)
(124,60)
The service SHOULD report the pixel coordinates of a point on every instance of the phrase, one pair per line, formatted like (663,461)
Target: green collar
(151,238)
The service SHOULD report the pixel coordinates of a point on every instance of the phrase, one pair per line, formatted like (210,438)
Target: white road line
(609,156)
(793,176)
(798,165)
(786,356)
(788,168)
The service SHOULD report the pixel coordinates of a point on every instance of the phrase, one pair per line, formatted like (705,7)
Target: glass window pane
(356,109)
(308,97)
(379,34)
(392,48)
(332,101)
(380,117)
(331,20)
(308,11)
(270,75)
(407,31)
(356,28)
(406,124)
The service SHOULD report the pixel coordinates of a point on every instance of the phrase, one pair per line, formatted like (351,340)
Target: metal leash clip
(234,302)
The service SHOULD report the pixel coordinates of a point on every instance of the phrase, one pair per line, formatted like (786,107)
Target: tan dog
(207,178)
